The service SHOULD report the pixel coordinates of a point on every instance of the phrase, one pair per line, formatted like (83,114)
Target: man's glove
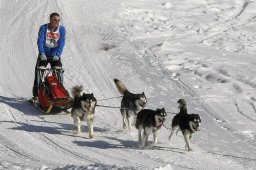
(55,58)
(43,57)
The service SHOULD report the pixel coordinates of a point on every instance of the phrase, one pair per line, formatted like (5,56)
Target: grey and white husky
(187,123)
(131,104)
(149,121)
(83,109)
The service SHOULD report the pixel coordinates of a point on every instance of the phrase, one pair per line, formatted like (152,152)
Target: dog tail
(120,86)
(76,91)
(182,102)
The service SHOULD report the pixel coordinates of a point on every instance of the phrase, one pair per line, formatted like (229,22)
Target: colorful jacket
(51,43)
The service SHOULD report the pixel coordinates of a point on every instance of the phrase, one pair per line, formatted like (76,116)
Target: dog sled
(51,93)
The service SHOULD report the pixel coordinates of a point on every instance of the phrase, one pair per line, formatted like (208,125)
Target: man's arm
(61,42)
(41,40)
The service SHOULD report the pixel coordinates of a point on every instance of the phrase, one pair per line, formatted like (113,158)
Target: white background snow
(202,51)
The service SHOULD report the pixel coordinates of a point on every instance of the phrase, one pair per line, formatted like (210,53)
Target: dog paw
(76,134)
(188,148)
(141,146)
(91,136)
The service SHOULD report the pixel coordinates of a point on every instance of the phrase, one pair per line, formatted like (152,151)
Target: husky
(187,123)
(176,119)
(83,109)
(149,121)
(131,104)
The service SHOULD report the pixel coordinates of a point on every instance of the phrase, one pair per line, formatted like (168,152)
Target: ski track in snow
(145,46)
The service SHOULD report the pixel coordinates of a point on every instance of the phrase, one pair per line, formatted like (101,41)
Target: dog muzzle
(195,127)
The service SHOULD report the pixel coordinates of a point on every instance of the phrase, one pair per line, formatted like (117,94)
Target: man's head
(54,20)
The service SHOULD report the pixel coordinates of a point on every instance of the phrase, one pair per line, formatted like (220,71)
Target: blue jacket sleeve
(41,39)
(61,41)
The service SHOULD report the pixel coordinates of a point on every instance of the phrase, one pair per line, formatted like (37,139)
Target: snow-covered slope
(202,51)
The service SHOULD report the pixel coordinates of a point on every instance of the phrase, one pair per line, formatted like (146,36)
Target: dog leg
(129,122)
(124,119)
(174,129)
(145,139)
(134,120)
(78,130)
(187,137)
(90,125)
(155,134)
(76,120)
(146,133)
(139,135)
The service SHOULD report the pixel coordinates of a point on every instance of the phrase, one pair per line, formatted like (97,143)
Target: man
(50,42)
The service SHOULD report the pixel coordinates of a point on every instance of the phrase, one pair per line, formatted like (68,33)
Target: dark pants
(44,63)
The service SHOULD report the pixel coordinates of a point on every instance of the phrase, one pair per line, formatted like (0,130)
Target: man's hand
(43,57)
(55,58)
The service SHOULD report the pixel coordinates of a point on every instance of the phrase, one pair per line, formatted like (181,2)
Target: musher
(50,42)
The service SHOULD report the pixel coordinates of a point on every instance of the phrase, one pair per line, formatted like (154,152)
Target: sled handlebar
(43,68)
(49,69)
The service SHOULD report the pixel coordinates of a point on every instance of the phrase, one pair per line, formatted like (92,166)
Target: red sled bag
(52,93)
(57,91)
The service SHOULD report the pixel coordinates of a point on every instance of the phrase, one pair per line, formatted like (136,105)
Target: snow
(202,51)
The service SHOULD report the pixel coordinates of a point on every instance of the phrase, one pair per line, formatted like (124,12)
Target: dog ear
(143,93)
(199,117)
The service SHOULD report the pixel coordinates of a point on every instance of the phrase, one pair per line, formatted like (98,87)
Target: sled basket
(52,93)
(56,89)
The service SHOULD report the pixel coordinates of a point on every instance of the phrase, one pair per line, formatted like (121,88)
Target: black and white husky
(83,109)
(149,121)
(187,123)
(131,104)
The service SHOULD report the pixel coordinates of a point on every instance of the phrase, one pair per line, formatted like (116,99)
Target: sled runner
(51,92)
